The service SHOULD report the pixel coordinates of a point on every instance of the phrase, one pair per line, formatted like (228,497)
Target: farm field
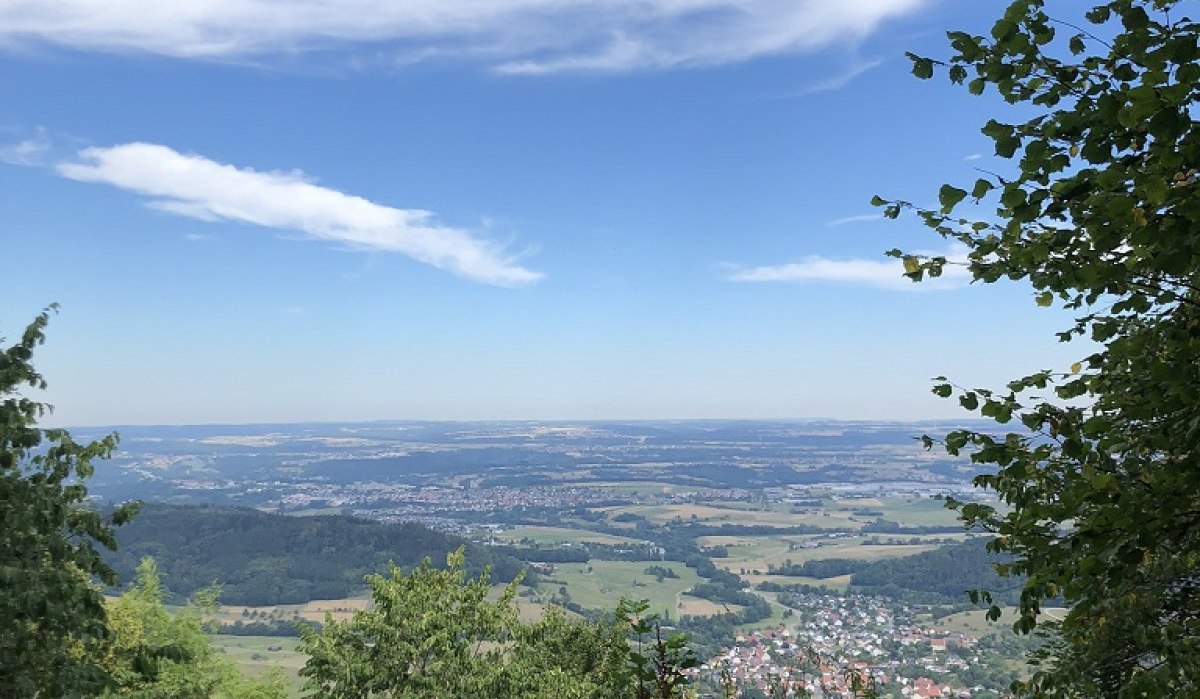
(917,512)
(601,584)
(563,535)
(341,609)
(835,513)
(643,487)
(696,606)
(310,611)
(709,513)
(751,553)
(839,583)
(975,622)
(253,655)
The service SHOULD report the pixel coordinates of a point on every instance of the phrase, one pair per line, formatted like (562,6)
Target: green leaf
(1135,18)
(921,67)
(949,196)
(1156,190)
(1003,30)
(982,187)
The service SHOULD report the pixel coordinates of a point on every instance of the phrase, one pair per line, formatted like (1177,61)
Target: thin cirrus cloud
(861,218)
(879,274)
(512,36)
(199,188)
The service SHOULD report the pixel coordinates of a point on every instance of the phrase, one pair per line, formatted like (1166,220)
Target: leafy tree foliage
(435,634)
(51,613)
(431,634)
(1100,212)
(157,654)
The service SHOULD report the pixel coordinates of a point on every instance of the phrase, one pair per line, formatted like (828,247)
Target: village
(834,638)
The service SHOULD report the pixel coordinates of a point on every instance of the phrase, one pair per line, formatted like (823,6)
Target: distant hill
(941,575)
(261,558)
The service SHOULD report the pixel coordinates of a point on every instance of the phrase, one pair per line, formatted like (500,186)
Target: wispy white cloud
(29,151)
(514,36)
(199,188)
(886,273)
(973,156)
(842,79)
(861,218)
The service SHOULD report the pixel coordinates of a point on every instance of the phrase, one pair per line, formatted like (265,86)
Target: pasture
(747,554)
(601,584)
(253,655)
(550,536)
(975,622)
(696,606)
(915,512)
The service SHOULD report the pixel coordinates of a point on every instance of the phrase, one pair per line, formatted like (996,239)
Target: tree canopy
(52,615)
(435,633)
(1099,211)
(156,653)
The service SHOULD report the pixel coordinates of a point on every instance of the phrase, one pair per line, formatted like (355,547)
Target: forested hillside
(941,575)
(261,558)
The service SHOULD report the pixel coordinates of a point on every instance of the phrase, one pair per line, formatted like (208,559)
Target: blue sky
(267,211)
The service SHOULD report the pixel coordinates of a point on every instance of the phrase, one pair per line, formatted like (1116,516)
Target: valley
(729,530)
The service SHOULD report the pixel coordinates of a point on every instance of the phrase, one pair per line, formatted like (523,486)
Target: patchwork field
(601,584)
(835,513)
(311,611)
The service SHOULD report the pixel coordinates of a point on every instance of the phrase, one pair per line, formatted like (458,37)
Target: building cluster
(836,638)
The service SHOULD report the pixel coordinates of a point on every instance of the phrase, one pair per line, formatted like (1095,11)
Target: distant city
(452,475)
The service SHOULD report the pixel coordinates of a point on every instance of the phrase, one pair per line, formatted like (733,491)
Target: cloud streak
(861,218)
(843,79)
(879,274)
(199,188)
(513,36)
